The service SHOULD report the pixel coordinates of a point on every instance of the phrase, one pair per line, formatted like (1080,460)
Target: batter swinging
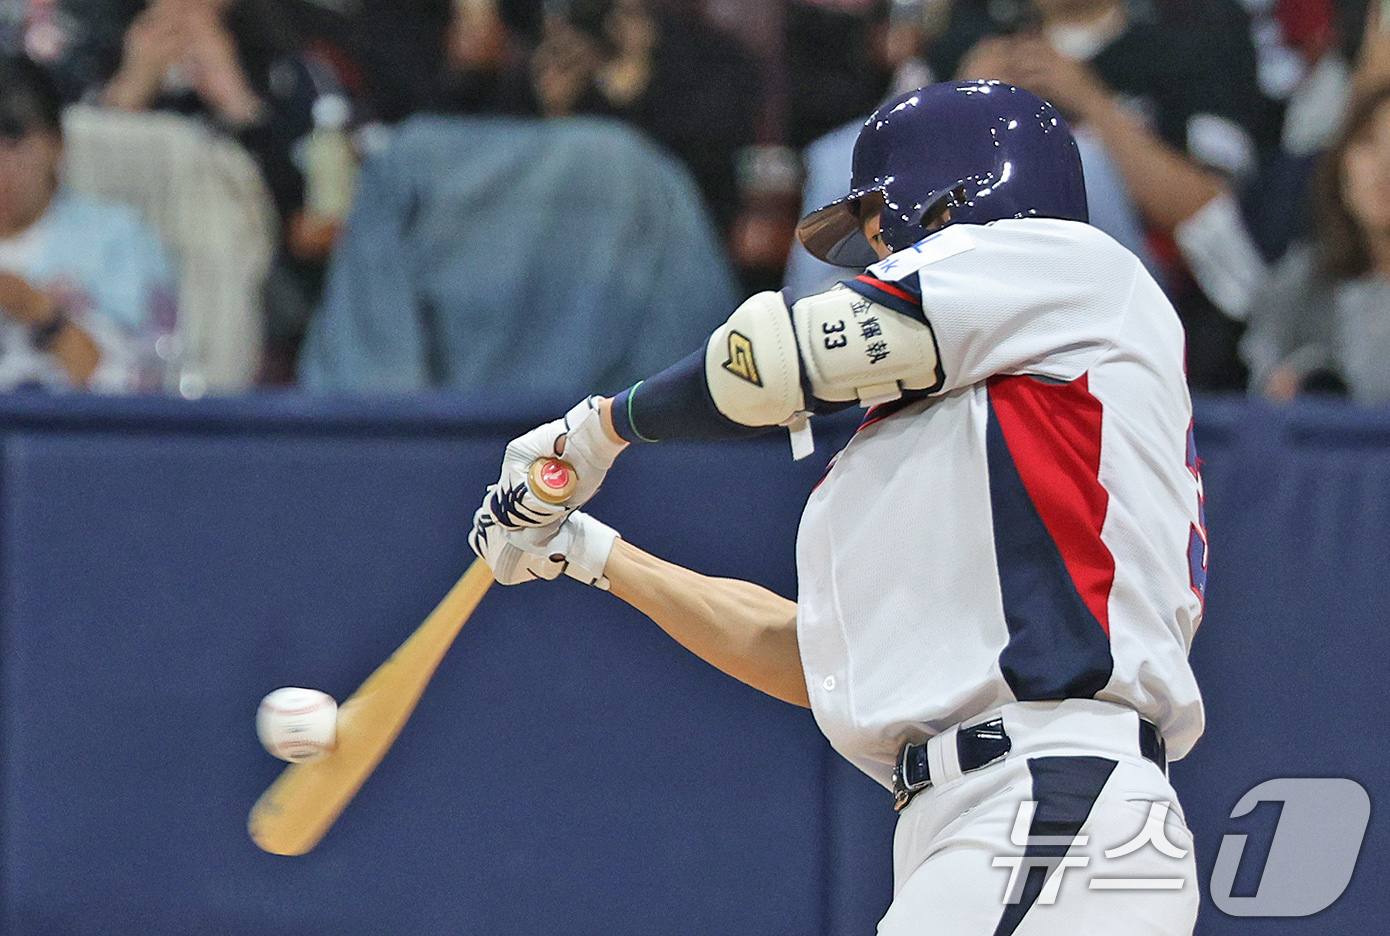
(1002,572)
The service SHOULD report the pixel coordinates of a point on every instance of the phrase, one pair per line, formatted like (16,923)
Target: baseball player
(1002,572)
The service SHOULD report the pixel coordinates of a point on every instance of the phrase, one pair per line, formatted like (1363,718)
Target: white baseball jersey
(1030,530)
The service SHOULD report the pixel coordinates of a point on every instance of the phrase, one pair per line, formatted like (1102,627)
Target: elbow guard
(751,364)
(854,349)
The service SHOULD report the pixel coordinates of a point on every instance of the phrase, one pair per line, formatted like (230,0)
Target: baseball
(298,725)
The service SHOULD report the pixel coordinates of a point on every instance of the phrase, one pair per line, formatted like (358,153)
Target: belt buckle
(902,790)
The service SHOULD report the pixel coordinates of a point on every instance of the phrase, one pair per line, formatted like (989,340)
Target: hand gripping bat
(295,812)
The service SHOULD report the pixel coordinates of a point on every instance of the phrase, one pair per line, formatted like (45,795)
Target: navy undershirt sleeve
(675,404)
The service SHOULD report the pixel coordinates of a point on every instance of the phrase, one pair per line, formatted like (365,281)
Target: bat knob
(552,480)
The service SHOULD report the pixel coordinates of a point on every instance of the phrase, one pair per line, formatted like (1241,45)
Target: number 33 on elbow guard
(850,347)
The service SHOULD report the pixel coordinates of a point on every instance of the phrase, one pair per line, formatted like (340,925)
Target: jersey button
(829,684)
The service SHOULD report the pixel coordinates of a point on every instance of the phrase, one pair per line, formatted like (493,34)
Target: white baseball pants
(1075,833)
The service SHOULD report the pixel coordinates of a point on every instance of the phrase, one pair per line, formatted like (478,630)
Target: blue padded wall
(571,768)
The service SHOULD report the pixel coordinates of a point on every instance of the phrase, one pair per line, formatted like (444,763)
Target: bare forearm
(44,313)
(1373,59)
(77,353)
(131,91)
(1167,186)
(738,627)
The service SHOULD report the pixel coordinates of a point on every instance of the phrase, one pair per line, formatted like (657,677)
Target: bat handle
(553,480)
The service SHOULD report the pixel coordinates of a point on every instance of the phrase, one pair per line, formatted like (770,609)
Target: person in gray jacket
(1321,321)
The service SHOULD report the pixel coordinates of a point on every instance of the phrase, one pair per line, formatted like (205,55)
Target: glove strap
(586,554)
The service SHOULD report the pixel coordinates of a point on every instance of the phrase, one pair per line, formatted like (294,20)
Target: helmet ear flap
(869,202)
(937,214)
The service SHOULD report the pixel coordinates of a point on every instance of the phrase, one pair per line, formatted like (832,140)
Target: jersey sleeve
(1032,296)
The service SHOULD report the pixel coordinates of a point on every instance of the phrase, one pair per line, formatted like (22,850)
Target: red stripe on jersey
(1053,432)
(889,288)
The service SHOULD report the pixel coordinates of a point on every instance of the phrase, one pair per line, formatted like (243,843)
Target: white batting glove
(578,546)
(586,446)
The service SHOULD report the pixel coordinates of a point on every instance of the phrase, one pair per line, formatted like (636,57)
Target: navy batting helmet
(986,149)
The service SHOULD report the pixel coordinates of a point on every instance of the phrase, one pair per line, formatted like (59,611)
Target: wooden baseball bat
(297,810)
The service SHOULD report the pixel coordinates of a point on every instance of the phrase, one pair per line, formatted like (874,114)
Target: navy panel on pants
(1064,789)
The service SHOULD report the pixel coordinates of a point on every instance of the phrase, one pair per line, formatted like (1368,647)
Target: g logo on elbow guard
(752,367)
(741,362)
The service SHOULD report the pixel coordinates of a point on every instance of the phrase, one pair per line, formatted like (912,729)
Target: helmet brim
(834,233)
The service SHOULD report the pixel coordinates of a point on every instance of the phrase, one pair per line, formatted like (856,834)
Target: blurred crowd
(565,195)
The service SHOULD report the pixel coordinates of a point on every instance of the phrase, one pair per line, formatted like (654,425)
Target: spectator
(517,256)
(85,288)
(65,37)
(913,29)
(1178,110)
(1303,54)
(484,60)
(234,63)
(204,196)
(400,46)
(838,66)
(1228,245)
(1321,323)
(1304,66)
(1193,79)
(255,69)
(1090,103)
(617,58)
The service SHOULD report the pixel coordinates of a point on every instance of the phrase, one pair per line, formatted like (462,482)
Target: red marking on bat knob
(555,475)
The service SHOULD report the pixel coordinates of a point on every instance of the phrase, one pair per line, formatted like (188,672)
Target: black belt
(982,745)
